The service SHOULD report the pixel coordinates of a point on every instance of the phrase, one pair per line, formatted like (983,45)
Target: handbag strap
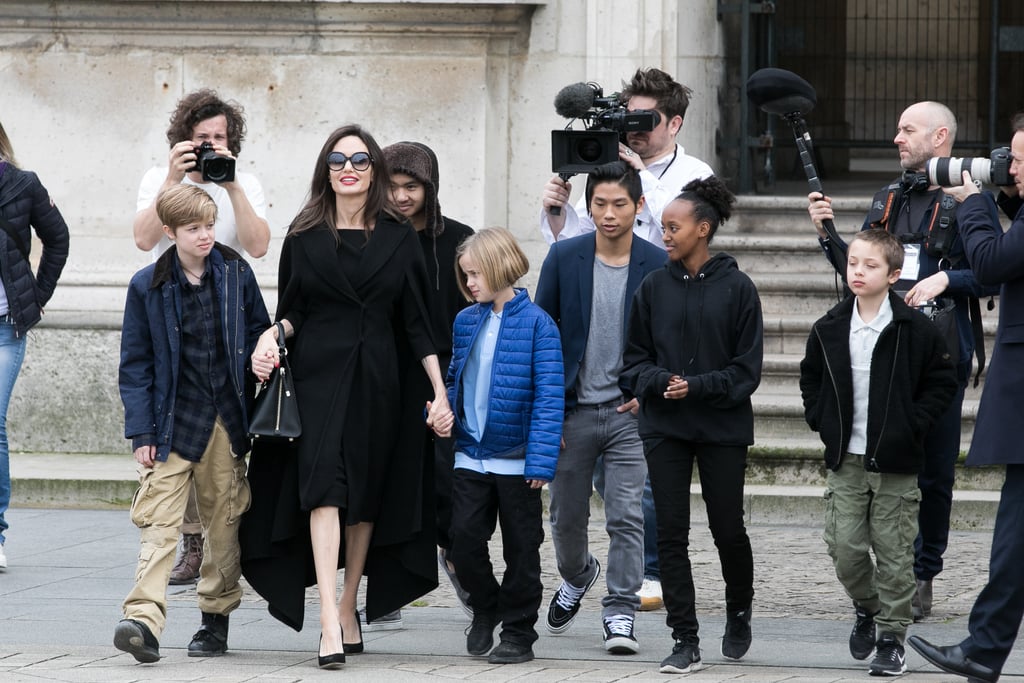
(281,348)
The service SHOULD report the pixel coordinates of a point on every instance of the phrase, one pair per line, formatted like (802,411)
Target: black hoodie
(706,328)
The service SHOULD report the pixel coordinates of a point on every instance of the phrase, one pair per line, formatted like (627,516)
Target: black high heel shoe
(331,661)
(355,648)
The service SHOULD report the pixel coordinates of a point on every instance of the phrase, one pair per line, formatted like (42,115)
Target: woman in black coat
(351,286)
(24,205)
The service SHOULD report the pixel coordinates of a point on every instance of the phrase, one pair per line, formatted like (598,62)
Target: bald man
(934,269)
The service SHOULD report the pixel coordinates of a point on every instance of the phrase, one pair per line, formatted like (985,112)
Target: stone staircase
(774,242)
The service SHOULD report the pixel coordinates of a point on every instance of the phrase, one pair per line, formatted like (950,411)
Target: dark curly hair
(672,98)
(202,105)
(711,199)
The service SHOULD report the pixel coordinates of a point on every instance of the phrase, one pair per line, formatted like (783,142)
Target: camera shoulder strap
(883,204)
(938,241)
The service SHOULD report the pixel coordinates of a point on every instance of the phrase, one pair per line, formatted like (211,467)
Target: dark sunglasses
(360,161)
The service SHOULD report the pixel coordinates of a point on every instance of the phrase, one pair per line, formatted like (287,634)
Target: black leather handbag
(275,413)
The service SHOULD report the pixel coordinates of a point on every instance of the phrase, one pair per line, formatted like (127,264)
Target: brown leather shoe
(186,569)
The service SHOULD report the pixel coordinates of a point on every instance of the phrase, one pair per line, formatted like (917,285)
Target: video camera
(214,167)
(948,171)
(607,121)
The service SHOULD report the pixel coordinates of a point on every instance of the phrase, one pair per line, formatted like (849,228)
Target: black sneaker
(510,653)
(618,635)
(565,604)
(480,634)
(890,658)
(736,640)
(136,639)
(211,640)
(862,637)
(685,658)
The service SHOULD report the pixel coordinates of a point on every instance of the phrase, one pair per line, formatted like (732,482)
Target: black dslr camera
(607,121)
(948,171)
(214,167)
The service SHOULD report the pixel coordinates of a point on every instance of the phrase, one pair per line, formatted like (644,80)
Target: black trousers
(996,616)
(443,450)
(722,470)
(478,501)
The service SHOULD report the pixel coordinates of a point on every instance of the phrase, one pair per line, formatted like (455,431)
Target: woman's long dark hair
(320,205)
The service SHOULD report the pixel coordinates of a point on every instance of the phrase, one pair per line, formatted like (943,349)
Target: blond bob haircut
(497,254)
(184,204)
(892,250)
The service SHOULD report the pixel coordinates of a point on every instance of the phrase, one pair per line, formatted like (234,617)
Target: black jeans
(721,469)
(478,500)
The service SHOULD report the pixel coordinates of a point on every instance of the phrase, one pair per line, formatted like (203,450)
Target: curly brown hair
(202,105)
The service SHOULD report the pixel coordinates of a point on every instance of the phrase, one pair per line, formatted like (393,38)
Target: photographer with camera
(997,259)
(205,135)
(935,274)
(663,165)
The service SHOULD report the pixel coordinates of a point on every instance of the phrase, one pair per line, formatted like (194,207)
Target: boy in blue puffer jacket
(506,389)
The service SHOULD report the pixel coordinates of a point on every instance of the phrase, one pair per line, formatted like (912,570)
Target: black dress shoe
(951,659)
(331,661)
(355,648)
(136,639)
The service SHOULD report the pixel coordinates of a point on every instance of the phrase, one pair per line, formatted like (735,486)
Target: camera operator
(202,117)
(997,259)
(932,270)
(663,165)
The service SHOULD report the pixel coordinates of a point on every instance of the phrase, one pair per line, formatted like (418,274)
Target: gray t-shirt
(598,381)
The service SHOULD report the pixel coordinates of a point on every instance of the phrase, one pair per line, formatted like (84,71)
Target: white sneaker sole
(621,645)
(669,669)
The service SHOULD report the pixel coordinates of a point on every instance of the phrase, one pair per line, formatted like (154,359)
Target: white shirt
(225,229)
(863,337)
(662,182)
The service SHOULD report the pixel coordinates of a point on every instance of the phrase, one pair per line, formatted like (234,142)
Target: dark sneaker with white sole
(618,635)
(685,659)
(890,657)
(565,604)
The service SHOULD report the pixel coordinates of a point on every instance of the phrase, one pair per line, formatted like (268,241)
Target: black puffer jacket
(24,202)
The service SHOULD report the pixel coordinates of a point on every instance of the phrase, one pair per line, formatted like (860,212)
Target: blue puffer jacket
(151,343)
(26,204)
(524,416)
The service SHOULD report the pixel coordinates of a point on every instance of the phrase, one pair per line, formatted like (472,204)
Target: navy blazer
(565,291)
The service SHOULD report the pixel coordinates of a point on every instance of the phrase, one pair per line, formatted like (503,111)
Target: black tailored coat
(997,258)
(351,331)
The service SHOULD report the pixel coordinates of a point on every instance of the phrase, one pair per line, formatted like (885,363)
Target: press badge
(911,262)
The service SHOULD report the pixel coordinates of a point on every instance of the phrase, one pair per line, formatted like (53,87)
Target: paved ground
(69,570)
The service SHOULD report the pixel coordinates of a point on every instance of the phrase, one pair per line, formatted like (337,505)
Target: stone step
(761,214)
(779,424)
(780,489)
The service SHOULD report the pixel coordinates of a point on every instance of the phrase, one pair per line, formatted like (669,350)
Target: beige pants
(191,524)
(222,495)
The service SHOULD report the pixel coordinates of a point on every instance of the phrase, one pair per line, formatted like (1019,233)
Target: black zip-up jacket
(912,381)
(707,329)
(26,204)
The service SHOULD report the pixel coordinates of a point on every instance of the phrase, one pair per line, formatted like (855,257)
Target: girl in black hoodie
(693,358)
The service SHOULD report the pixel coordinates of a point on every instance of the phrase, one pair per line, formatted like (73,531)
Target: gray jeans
(589,432)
